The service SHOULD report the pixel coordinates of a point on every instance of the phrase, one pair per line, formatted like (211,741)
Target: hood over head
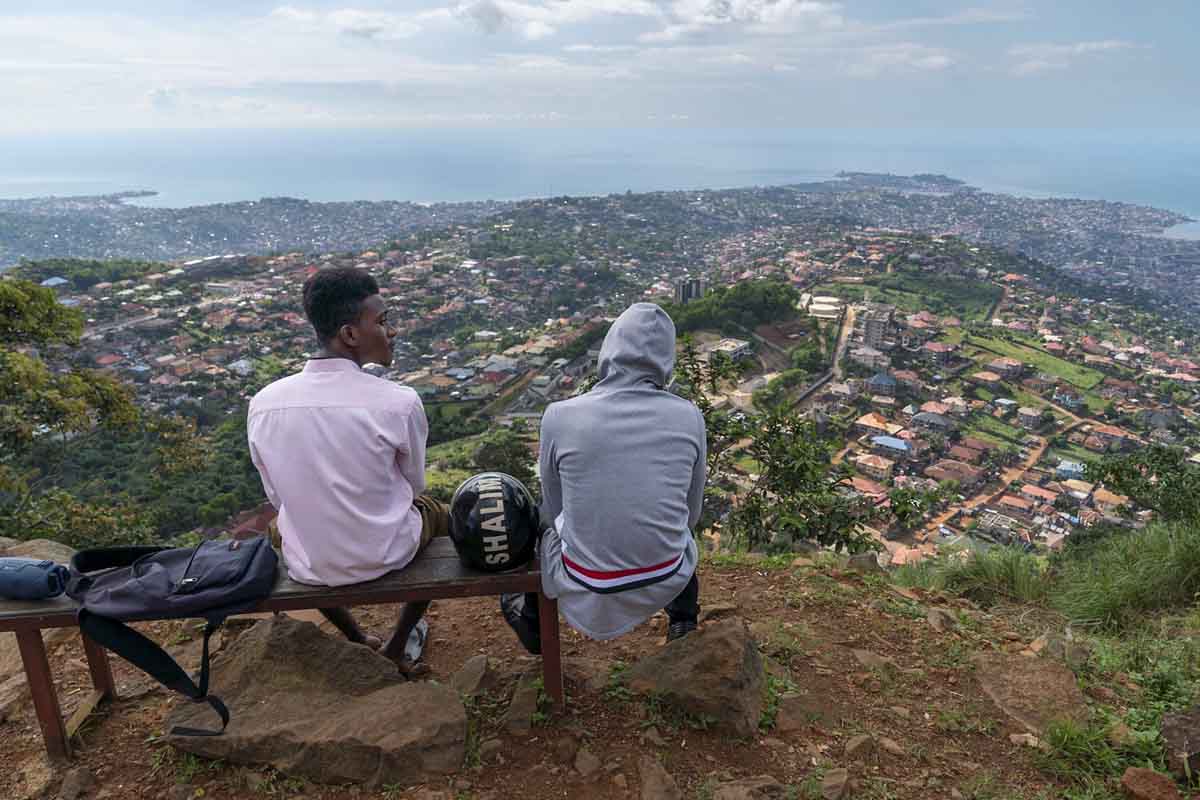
(639,348)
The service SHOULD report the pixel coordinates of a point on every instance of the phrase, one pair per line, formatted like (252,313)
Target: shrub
(1002,573)
(1120,579)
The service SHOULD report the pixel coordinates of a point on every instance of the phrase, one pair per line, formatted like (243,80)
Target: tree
(48,411)
(503,450)
(1156,477)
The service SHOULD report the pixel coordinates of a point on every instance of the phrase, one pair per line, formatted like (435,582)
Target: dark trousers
(684,608)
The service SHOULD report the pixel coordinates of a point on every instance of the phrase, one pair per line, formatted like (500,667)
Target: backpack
(213,580)
(31,579)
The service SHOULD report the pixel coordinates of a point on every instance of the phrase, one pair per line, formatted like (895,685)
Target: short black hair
(334,297)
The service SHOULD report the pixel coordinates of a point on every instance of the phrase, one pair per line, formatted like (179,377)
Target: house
(967,476)
(1068,398)
(908,380)
(891,447)
(1006,367)
(1010,504)
(1029,418)
(987,379)
(735,349)
(882,384)
(976,444)
(1036,494)
(875,424)
(938,352)
(1108,502)
(934,422)
(876,467)
(966,454)
(1112,435)
(1069,470)
(870,357)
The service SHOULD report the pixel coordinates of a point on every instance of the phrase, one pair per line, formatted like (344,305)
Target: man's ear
(348,334)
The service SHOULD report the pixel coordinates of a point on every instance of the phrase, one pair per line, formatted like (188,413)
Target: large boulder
(1181,738)
(318,707)
(1146,784)
(715,674)
(1032,691)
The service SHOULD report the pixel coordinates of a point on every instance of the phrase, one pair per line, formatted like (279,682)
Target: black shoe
(523,622)
(678,630)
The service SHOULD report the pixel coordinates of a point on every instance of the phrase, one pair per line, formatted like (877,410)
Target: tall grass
(1120,579)
(1002,573)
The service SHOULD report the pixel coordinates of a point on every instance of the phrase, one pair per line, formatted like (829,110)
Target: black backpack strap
(157,663)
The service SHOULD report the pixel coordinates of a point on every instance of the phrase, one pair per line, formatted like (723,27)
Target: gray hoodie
(622,470)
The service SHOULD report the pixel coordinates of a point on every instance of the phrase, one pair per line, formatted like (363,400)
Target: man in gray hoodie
(622,471)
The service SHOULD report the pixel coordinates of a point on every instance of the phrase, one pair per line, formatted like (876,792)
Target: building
(870,357)
(874,324)
(1029,418)
(882,384)
(876,467)
(891,447)
(736,349)
(948,469)
(690,289)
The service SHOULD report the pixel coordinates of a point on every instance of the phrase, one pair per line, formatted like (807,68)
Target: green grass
(995,430)
(1002,573)
(1076,375)
(1125,576)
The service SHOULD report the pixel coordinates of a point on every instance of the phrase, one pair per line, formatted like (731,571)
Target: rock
(31,778)
(1146,784)
(891,746)
(835,784)
(760,787)
(1105,695)
(586,762)
(941,620)
(905,592)
(715,673)
(315,706)
(875,661)
(798,711)
(592,674)
(490,748)
(476,676)
(1120,735)
(6,543)
(901,712)
(1181,739)
(859,747)
(657,783)
(620,781)
(865,562)
(181,791)
(652,736)
(565,749)
(524,704)
(1032,691)
(1026,739)
(77,783)
(717,611)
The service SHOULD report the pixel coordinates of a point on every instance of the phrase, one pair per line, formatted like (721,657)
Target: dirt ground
(950,741)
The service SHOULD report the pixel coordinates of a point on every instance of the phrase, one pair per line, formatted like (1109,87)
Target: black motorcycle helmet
(493,522)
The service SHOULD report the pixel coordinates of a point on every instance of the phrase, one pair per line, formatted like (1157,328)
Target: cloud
(599,48)
(163,98)
(685,18)
(540,19)
(379,25)
(1034,59)
(871,62)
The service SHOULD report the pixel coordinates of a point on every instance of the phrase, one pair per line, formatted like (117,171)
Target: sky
(80,65)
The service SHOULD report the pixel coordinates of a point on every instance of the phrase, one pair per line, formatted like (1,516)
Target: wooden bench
(436,574)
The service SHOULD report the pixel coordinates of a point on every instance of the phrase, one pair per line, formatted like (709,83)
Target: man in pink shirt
(341,454)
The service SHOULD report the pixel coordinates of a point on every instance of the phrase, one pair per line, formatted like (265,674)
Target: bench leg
(552,677)
(41,688)
(98,665)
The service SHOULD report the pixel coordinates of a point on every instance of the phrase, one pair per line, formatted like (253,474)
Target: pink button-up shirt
(341,454)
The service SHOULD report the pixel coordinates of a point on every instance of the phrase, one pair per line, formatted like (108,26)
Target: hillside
(864,675)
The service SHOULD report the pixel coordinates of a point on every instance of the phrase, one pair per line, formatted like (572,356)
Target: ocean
(1151,167)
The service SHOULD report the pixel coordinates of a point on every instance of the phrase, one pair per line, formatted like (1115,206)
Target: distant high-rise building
(690,289)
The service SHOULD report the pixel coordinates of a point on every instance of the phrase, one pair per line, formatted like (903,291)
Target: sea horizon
(1158,168)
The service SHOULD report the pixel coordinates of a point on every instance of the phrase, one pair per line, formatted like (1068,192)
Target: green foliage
(747,304)
(1120,579)
(1155,477)
(30,314)
(504,450)
(84,273)
(1002,573)
(797,496)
